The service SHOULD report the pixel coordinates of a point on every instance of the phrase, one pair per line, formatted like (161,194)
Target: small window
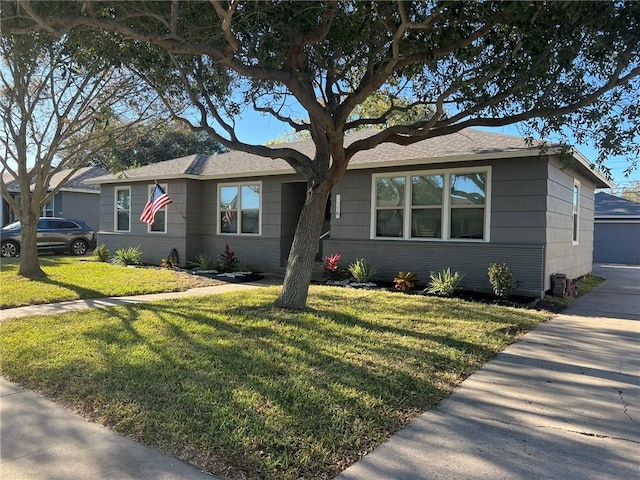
(426,206)
(48,209)
(239,208)
(390,193)
(160,218)
(576,213)
(467,205)
(123,209)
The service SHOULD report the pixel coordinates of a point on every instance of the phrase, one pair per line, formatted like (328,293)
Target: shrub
(445,282)
(361,271)
(101,253)
(204,261)
(331,268)
(243,266)
(128,256)
(227,260)
(405,281)
(501,279)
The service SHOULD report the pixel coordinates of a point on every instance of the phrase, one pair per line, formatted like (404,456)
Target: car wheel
(10,249)
(79,247)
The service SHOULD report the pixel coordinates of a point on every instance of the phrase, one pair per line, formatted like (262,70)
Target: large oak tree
(565,67)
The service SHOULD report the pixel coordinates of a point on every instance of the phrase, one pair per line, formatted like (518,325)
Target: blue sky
(258,129)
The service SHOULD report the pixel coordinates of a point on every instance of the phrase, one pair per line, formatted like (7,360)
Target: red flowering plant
(331,268)
(227,260)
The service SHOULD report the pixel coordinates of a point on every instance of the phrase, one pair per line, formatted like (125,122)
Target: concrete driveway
(563,403)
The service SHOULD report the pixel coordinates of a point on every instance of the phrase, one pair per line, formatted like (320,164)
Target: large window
(122,209)
(239,208)
(439,205)
(576,212)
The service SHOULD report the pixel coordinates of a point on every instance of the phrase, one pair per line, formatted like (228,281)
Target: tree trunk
(303,250)
(29,261)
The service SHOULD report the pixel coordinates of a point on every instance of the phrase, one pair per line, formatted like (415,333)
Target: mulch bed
(251,277)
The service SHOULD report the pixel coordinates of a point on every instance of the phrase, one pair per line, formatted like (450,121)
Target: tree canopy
(146,143)
(569,68)
(56,114)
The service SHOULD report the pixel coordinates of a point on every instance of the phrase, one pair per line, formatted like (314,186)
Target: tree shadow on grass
(245,386)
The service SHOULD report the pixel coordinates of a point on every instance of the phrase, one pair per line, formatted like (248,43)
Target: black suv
(54,234)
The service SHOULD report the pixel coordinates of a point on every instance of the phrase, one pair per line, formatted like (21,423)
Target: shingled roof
(77,183)
(468,144)
(610,206)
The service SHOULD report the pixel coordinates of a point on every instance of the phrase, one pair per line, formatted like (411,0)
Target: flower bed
(231,277)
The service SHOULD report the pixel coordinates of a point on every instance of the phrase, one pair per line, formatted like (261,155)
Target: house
(77,199)
(616,230)
(462,201)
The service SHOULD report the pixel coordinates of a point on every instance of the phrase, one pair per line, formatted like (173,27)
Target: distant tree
(51,107)
(632,191)
(566,67)
(145,144)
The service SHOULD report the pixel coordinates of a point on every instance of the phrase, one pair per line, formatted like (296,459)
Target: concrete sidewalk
(40,440)
(563,403)
(74,305)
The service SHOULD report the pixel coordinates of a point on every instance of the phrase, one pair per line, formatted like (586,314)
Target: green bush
(501,278)
(204,261)
(127,256)
(101,253)
(361,271)
(445,282)
(244,266)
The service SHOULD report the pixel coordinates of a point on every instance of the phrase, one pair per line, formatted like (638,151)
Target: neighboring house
(616,230)
(462,201)
(77,199)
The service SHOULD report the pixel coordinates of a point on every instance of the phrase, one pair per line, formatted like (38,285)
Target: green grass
(245,390)
(72,278)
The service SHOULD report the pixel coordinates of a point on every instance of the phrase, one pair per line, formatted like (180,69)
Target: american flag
(229,212)
(158,200)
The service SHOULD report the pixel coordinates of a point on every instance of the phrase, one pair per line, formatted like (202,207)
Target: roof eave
(601,180)
(446,159)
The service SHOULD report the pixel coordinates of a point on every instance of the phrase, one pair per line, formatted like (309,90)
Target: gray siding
(617,241)
(562,256)
(154,245)
(530,225)
(518,201)
(261,252)
(471,259)
(80,206)
(191,223)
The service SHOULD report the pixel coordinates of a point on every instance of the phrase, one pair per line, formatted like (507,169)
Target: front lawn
(73,278)
(245,390)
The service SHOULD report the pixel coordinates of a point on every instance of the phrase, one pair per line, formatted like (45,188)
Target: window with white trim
(160,218)
(239,208)
(48,209)
(442,205)
(576,213)
(122,220)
